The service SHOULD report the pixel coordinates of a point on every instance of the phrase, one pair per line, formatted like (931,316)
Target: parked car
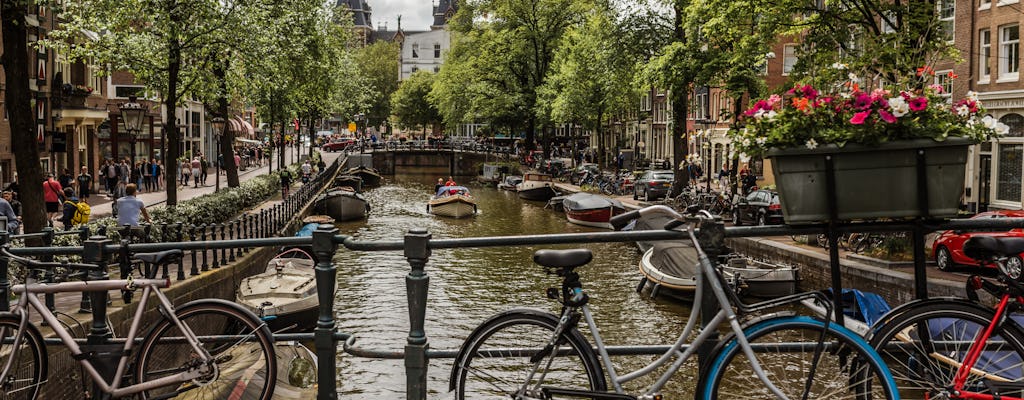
(948,247)
(653,184)
(760,207)
(338,145)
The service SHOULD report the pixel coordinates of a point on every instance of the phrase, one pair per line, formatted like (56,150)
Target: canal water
(468,285)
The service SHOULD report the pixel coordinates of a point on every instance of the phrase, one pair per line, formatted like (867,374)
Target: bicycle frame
(27,297)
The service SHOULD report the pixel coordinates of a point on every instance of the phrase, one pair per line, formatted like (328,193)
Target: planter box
(77,101)
(871,181)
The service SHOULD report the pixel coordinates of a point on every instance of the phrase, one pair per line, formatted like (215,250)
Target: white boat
(285,295)
(343,204)
(452,201)
(536,186)
(510,182)
(763,279)
(670,267)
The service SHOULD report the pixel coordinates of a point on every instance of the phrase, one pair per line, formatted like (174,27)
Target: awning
(240,127)
(248,141)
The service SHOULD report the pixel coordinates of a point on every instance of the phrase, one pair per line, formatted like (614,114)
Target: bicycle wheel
(242,346)
(785,347)
(29,366)
(924,364)
(496,360)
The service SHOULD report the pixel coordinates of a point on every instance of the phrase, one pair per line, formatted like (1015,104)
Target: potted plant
(872,144)
(76,94)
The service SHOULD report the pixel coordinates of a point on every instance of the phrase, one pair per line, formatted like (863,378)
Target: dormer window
(415,50)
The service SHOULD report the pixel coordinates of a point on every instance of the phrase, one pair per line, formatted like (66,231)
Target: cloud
(417,15)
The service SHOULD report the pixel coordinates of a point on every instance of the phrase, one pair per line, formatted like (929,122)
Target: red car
(948,248)
(338,145)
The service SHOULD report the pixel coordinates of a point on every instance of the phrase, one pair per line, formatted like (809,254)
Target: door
(984,182)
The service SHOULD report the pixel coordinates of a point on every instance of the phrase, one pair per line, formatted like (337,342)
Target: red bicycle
(948,348)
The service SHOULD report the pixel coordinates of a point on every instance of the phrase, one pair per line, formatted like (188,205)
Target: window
(947,12)
(415,69)
(437,50)
(788,59)
(942,79)
(985,4)
(437,69)
(1009,52)
(415,50)
(985,51)
(1016,124)
(888,19)
(1008,184)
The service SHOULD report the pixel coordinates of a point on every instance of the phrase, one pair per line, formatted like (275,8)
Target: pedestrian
(110,173)
(158,174)
(129,208)
(184,172)
(195,164)
(70,207)
(7,210)
(52,195)
(203,167)
(123,177)
(135,176)
(147,175)
(65,179)
(723,177)
(749,181)
(84,182)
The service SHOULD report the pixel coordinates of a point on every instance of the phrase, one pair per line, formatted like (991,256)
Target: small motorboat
(351,181)
(492,173)
(670,268)
(762,279)
(648,223)
(590,209)
(342,203)
(537,187)
(510,182)
(555,204)
(285,295)
(452,201)
(370,176)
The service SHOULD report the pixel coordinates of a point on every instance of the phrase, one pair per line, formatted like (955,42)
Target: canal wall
(465,163)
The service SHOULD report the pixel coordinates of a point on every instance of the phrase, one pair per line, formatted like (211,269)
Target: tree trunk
(22,117)
(531,135)
(281,148)
(227,138)
(680,97)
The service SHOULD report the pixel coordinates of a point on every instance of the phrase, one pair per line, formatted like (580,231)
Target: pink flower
(887,117)
(809,92)
(919,103)
(863,101)
(773,100)
(858,118)
(936,87)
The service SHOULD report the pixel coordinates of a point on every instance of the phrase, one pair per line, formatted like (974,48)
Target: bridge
(460,160)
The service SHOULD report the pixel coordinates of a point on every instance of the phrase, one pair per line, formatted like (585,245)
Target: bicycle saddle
(988,247)
(158,257)
(571,258)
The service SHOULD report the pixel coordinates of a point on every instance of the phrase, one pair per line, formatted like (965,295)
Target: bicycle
(206,348)
(534,354)
(949,348)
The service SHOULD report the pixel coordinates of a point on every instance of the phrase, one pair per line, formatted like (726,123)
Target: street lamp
(132,113)
(218,131)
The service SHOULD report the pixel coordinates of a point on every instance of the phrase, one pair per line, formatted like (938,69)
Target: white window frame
(787,55)
(948,20)
(984,55)
(942,78)
(1006,2)
(1005,75)
(437,51)
(985,5)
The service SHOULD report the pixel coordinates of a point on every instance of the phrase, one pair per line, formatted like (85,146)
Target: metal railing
(417,246)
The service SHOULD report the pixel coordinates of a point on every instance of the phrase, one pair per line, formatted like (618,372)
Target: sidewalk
(101,204)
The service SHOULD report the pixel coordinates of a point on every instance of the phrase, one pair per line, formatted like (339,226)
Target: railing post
(85,304)
(195,262)
(231,236)
(48,298)
(213,236)
(417,251)
(5,282)
(93,253)
(206,265)
(181,261)
(323,336)
(223,251)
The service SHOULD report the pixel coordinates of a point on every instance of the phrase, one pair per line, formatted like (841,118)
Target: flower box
(870,181)
(77,101)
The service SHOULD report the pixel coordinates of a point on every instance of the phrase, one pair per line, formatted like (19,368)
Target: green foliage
(378,67)
(410,103)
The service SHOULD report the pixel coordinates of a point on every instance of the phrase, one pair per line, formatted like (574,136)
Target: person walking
(130,208)
(158,174)
(184,172)
(7,210)
(204,166)
(147,175)
(110,173)
(52,196)
(195,165)
(84,182)
(135,176)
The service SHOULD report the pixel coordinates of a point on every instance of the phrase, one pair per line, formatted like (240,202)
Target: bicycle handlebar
(678,219)
(48,265)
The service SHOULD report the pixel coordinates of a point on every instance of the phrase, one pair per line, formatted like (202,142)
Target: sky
(417,15)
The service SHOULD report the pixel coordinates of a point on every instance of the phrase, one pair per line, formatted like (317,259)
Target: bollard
(323,336)
(48,298)
(181,261)
(195,264)
(206,266)
(5,282)
(84,304)
(213,237)
(417,251)
(99,332)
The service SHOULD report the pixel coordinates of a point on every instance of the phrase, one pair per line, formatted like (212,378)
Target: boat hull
(591,210)
(370,177)
(343,205)
(454,206)
(537,193)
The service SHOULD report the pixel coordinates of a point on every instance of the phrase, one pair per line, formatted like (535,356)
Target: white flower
(770,115)
(853,77)
(971,122)
(1002,129)
(899,106)
(758,114)
(761,141)
(989,122)
(812,144)
(746,142)
(744,157)
(839,66)
(963,111)
(972,95)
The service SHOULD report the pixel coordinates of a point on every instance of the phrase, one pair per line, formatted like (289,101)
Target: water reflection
(468,285)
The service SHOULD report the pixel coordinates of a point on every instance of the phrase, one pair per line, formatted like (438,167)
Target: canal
(468,285)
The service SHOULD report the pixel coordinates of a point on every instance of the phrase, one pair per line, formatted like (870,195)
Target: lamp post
(132,113)
(218,130)
(642,156)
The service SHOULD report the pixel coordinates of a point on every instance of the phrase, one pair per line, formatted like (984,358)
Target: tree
(411,105)
(19,109)
(378,67)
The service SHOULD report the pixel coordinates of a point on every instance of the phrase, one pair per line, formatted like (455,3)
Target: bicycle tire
(29,368)
(244,370)
(848,369)
(955,321)
(527,330)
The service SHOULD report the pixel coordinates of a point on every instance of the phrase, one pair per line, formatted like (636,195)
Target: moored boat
(452,201)
(536,186)
(762,279)
(371,177)
(648,223)
(351,181)
(285,295)
(670,268)
(342,204)
(510,182)
(591,209)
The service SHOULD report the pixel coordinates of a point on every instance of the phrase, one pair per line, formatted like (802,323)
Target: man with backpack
(75,212)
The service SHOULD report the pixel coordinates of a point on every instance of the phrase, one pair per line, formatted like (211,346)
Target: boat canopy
(589,201)
(676,258)
(446,190)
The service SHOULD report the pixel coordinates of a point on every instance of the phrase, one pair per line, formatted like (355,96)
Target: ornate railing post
(323,336)
(232,234)
(48,298)
(206,265)
(223,251)
(93,253)
(195,262)
(5,282)
(181,261)
(84,304)
(417,251)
